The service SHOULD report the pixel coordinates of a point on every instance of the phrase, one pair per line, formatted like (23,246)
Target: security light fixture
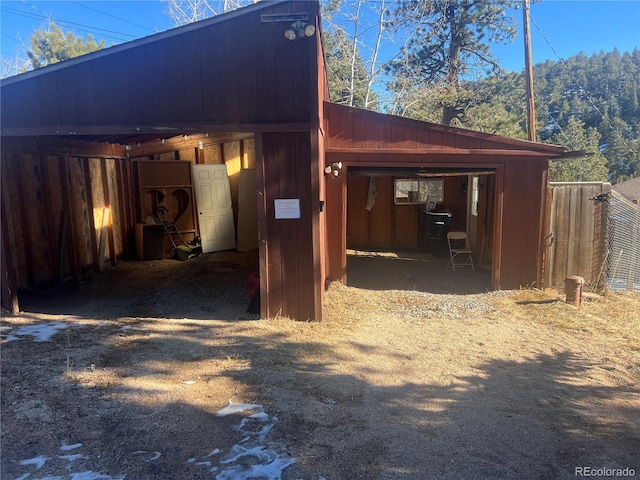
(299,29)
(333,169)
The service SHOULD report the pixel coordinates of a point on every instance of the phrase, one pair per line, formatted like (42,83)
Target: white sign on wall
(287,208)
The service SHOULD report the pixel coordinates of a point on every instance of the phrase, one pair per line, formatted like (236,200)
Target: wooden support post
(62,241)
(76,264)
(108,206)
(50,217)
(125,221)
(104,237)
(24,220)
(9,283)
(88,189)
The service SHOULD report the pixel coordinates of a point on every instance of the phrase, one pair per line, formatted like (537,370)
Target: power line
(112,16)
(586,92)
(119,36)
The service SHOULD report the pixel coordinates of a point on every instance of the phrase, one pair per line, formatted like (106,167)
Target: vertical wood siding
(390,226)
(513,226)
(288,283)
(235,71)
(574,243)
(54,206)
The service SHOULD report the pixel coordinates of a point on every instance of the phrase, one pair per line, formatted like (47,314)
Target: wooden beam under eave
(181,143)
(75,133)
(439,152)
(62,145)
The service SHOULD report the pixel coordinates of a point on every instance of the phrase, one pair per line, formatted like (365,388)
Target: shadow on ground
(423,272)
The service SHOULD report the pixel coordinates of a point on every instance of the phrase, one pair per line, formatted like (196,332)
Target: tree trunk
(450,110)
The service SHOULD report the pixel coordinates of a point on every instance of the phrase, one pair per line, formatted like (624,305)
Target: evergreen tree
(53,46)
(449,42)
(581,169)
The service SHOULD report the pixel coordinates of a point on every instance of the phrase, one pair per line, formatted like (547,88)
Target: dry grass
(616,315)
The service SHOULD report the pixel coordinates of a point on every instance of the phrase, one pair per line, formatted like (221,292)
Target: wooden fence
(575,232)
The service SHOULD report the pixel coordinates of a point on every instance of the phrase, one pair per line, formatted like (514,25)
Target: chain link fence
(622,261)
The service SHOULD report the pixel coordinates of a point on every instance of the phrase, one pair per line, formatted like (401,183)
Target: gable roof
(358,131)
(172,32)
(234,72)
(630,189)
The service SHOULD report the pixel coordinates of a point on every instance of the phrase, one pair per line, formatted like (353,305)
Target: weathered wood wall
(237,151)
(56,205)
(574,241)
(232,73)
(390,226)
(230,70)
(55,202)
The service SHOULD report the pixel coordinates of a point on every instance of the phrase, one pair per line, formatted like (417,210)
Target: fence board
(575,227)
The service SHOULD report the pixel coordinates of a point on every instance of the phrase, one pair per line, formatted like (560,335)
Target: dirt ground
(404,383)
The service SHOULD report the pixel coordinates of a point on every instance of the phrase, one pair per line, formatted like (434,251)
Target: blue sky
(560,28)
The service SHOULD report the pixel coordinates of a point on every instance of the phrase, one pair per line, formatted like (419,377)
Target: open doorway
(397,224)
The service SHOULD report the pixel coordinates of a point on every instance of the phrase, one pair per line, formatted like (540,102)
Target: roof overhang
(358,132)
(260,5)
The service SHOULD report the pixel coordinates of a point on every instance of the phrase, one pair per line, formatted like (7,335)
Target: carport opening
(120,231)
(215,214)
(397,224)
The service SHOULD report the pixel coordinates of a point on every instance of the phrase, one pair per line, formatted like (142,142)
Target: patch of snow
(37,461)
(156,455)
(234,408)
(66,447)
(268,459)
(139,329)
(40,332)
(269,471)
(213,452)
(89,475)
(251,458)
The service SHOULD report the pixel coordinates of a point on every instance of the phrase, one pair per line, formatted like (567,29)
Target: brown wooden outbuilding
(85,141)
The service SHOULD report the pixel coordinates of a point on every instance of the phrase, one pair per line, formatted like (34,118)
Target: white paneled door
(213,203)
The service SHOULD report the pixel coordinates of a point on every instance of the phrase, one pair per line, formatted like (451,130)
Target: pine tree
(575,137)
(53,46)
(450,42)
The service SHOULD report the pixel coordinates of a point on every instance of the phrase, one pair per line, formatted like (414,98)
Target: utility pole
(528,74)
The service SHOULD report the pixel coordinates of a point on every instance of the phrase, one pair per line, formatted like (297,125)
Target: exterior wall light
(299,29)
(333,169)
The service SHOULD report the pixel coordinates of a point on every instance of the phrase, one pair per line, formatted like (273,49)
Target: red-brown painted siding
(205,74)
(361,138)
